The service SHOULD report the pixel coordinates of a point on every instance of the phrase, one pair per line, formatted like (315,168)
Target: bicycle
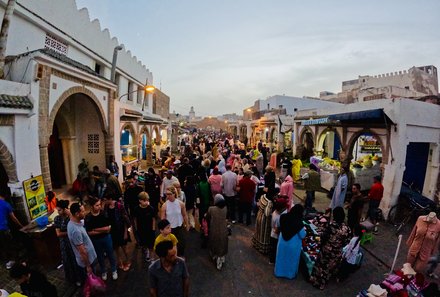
(410,206)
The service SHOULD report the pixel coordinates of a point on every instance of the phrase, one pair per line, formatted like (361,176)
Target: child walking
(145,224)
(350,254)
(165,233)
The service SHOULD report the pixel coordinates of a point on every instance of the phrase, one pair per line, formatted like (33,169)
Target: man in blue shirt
(82,246)
(7,252)
(168,275)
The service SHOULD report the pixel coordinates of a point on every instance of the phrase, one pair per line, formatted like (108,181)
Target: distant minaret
(192,114)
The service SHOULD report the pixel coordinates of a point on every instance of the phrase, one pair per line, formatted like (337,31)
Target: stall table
(308,260)
(364,176)
(45,244)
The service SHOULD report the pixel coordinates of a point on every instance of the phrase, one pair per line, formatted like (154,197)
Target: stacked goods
(311,243)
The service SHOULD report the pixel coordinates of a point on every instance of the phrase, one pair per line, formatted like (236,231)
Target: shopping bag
(94,286)
(359,259)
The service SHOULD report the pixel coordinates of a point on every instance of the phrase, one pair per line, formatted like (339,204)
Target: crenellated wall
(88,42)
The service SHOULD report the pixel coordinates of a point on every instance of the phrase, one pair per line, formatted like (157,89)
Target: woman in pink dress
(215,181)
(286,191)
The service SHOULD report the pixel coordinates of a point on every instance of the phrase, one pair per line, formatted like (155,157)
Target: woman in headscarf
(261,238)
(290,242)
(333,239)
(286,191)
(269,183)
(152,187)
(218,231)
(215,182)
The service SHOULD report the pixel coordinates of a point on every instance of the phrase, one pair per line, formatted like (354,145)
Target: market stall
(312,242)
(403,282)
(45,243)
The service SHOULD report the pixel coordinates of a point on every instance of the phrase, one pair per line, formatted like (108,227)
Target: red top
(247,190)
(376,191)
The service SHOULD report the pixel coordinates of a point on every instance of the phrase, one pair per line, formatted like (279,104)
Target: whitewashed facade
(412,121)
(61,61)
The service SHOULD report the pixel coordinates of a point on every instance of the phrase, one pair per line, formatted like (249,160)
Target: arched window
(128,145)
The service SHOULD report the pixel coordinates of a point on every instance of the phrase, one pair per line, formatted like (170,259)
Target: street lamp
(147,89)
(115,57)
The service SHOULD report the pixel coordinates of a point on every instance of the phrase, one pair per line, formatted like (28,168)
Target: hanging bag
(94,286)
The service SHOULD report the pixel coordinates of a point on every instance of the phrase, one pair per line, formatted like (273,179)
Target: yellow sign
(35,196)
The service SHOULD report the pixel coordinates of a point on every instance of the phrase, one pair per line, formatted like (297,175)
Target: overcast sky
(221,55)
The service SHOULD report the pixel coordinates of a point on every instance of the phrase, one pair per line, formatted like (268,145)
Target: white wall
(26,147)
(290,103)
(28,32)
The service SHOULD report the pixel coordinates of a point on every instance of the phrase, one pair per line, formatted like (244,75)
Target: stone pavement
(246,271)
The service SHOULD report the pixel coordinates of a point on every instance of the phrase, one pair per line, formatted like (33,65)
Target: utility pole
(4,34)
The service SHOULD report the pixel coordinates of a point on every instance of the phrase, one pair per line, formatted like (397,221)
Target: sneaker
(219,263)
(115,275)
(10,264)
(104,276)
(233,222)
(78,284)
(433,275)
(375,231)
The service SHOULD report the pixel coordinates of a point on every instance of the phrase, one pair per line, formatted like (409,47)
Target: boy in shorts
(165,233)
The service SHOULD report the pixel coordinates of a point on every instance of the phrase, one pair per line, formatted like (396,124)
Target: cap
(177,162)
(107,171)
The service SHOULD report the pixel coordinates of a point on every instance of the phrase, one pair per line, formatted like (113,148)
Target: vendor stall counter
(310,248)
(45,244)
(328,177)
(364,176)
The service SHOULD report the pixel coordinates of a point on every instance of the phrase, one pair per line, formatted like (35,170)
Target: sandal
(127,267)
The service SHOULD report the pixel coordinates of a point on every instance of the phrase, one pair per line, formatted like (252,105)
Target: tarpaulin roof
(373,115)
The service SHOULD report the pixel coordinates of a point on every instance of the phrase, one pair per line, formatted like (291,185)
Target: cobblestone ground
(246,272)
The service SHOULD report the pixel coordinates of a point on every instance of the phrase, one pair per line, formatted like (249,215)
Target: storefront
(369,137)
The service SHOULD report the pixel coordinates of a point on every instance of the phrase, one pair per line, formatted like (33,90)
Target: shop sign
(35,196)
(370,149)
(314,122)
(369,144)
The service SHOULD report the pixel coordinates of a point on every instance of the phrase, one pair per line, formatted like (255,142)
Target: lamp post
(115,58)
(147,89)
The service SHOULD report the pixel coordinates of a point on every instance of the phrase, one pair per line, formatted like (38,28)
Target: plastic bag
(94,286)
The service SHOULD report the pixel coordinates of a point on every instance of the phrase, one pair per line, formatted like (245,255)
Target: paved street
(247,272)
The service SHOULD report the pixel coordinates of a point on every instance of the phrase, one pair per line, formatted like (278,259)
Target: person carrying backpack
(351,256)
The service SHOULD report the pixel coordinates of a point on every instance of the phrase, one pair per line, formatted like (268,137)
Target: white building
(271,119)
(407,133)
(412,83)
(65,107)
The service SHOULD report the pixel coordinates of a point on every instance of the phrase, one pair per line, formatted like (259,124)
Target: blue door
(415,164)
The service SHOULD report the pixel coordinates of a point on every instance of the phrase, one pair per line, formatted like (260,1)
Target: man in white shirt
(229,185)
(167,182)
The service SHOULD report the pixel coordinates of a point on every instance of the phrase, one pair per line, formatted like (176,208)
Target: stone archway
(321,139)
(73,91)
(148,146)
(47,120)
(8,163)
(306,143)
(352,141)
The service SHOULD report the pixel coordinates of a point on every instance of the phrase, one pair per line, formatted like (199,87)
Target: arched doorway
(307,144)
(365,151)
(366,145)
(329,144)
(128,144)
(146,152)
(56,159)
(4,179)
(77,133)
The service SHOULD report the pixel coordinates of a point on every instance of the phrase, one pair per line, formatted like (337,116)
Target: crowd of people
(213,183)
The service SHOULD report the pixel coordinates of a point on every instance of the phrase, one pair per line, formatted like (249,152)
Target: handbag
(93,285)
(359,258)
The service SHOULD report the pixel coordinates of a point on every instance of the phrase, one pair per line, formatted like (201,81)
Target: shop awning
(372,116)
(146,119)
